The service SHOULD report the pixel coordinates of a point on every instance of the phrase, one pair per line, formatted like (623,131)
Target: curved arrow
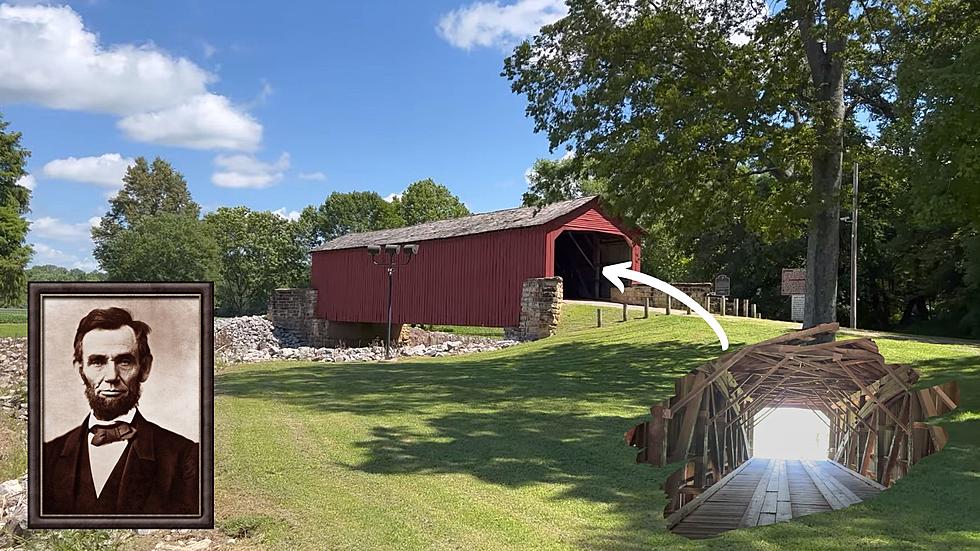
(617,272)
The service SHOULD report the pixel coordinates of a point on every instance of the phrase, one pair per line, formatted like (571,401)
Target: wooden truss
(878,420)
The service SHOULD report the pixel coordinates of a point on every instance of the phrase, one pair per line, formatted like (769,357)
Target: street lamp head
(411,249)
(392,250)
(375,250)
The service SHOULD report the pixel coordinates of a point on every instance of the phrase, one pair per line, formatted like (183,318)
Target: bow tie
(105,434)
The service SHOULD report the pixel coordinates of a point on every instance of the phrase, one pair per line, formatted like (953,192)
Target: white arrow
(617,272)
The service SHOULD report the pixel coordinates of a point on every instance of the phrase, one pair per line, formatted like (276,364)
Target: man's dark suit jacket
(157,474)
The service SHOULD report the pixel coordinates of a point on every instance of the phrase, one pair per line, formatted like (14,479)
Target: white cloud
(105,170)
(53,228)
(208,121)
(490,24)
(47,57)
(27,181)
(292,215)
(245,171)
(313,176)
(392,196)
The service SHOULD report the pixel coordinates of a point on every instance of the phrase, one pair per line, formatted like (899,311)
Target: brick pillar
(541,300)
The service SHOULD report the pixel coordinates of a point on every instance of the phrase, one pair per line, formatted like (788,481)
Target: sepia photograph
(120,402)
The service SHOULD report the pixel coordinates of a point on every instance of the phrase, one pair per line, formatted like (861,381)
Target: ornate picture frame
(150,352)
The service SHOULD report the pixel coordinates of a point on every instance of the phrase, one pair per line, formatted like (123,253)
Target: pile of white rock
(254,339)
(13,510)
(13,377)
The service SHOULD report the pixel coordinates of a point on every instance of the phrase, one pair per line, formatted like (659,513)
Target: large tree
(936,149)
(259,251)
(427,201)
(14,201)
(164,247)
(687,107)
(343,213)
(152,230)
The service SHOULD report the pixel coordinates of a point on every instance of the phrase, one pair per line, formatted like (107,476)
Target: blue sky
(268,106)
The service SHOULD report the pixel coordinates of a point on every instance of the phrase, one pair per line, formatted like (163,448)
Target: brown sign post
(794,285)
(794,281)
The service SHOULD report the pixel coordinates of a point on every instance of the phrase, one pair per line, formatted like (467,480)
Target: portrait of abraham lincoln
(120,405)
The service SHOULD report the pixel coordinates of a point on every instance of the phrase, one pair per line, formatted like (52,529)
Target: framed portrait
(120,405)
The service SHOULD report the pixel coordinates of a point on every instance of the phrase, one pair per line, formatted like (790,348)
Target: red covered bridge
(469,271)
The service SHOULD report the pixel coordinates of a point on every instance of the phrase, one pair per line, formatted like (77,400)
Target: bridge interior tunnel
(579,258)
(872,418)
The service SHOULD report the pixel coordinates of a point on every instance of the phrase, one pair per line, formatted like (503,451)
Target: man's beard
(106,409)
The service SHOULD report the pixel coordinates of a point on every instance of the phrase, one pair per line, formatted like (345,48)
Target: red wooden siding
(469,280)
(466,280)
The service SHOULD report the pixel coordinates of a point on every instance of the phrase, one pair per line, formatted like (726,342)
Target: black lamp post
(390,261)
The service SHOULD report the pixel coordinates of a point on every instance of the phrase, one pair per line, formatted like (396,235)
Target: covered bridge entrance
(470,270)
(876,421)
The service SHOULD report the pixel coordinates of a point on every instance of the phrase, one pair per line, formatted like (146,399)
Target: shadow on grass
(556,415)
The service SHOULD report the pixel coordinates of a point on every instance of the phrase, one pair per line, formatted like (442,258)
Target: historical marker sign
(794,281)
(723,285)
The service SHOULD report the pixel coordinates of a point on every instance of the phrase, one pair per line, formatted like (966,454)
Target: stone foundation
(294,311)
(541,300)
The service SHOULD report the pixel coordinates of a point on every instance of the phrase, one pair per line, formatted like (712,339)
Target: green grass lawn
(13,329)
(523,448)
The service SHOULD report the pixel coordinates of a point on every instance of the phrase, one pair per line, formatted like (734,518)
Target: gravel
(254,339)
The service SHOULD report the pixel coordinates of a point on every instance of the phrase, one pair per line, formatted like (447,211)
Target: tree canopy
(152,231)
(258,251)
(694,112)
(343,213)
(14,201)
(427,201)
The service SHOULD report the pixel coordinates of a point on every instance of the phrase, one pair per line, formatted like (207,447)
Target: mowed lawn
(523,449)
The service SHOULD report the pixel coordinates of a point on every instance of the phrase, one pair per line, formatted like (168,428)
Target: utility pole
(854,251)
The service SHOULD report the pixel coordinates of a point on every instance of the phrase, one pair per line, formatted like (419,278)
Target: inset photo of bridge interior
(791,426)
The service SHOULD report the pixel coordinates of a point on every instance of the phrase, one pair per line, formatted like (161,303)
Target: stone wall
(635,294)
(294,310)
(541,300)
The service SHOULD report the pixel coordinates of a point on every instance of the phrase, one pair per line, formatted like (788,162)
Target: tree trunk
(826,61)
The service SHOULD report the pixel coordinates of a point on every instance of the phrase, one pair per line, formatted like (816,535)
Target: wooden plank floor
(764,491)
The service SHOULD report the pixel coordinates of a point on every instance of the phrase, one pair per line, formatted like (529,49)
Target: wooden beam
(875,399)
(944,397)
(686,431)
(939,437)
(720,370)
(748,393)
(896,449)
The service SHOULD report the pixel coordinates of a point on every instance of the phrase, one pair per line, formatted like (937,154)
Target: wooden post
(646,308)
(598,317)
(688,310)
(723,302)
(707,302)
(624,312)
(669,300)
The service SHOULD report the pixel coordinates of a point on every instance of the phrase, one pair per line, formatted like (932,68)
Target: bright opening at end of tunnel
(790,433)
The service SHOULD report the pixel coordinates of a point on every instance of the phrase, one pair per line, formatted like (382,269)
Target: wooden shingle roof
(523,217)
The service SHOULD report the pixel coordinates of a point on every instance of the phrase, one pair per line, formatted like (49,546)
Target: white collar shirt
(102,459)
